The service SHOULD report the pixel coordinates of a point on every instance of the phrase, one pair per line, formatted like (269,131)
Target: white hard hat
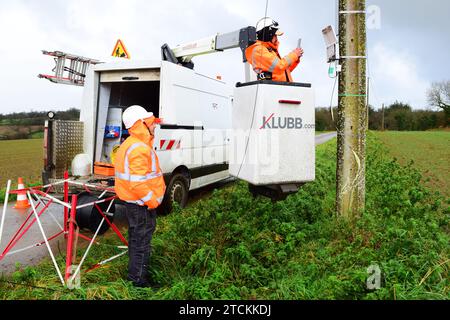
(267,22)
(133,114)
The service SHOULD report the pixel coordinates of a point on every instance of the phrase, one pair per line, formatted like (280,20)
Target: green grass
(229,245)
(21,158)
(429,151)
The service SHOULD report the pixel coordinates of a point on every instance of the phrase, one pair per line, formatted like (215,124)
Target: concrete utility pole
(368,104)
(352,112)
(382,118)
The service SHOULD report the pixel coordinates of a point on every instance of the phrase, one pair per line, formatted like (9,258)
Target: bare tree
(439,95)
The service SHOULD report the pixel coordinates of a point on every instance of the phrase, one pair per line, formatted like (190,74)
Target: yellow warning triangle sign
(120,51)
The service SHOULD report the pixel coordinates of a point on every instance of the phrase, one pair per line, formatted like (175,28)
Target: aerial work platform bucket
(273,145)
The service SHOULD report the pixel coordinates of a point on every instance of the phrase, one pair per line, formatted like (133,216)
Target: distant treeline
(35,118)
(397,117)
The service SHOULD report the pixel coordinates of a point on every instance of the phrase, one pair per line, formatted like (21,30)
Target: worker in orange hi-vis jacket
(264,56)
(140,184)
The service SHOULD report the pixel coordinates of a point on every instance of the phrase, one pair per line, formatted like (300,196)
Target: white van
(202,140)
(191,143)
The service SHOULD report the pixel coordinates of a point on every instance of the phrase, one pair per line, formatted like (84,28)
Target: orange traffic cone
(22,200)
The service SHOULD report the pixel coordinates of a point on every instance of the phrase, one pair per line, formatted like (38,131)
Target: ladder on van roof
(72,74)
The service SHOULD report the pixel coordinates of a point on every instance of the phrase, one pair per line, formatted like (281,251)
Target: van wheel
(177,191)
(253,190)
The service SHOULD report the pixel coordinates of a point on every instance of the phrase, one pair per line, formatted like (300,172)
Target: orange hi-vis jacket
(139,179)
(264,57)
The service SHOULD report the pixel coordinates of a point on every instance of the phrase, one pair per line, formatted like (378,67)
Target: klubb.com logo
(274,122)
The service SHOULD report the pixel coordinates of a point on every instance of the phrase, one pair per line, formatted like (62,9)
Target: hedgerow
(233,246)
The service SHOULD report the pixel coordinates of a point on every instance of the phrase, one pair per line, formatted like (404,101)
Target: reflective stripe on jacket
(139,178)
(264,57)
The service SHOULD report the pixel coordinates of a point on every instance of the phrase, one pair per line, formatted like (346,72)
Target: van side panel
(189,99)
(178,147)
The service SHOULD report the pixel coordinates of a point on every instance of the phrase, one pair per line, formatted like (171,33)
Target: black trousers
(142,224)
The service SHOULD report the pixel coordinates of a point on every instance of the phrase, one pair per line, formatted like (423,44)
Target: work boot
(145,284)
(142,285)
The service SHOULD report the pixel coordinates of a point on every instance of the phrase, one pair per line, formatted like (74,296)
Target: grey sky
(406,54)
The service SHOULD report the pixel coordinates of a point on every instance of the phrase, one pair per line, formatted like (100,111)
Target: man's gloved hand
(299,52)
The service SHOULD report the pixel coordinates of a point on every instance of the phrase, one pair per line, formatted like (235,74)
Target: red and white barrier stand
(69,229)
(8,187)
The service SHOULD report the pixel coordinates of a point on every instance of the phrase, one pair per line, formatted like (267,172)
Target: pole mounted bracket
(331,43)
(352,57)
(352,12)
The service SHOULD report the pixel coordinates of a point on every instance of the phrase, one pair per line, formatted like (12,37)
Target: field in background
(21,158)
(430,152)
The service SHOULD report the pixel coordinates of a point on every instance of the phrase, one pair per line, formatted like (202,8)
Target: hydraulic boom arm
(183,54)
